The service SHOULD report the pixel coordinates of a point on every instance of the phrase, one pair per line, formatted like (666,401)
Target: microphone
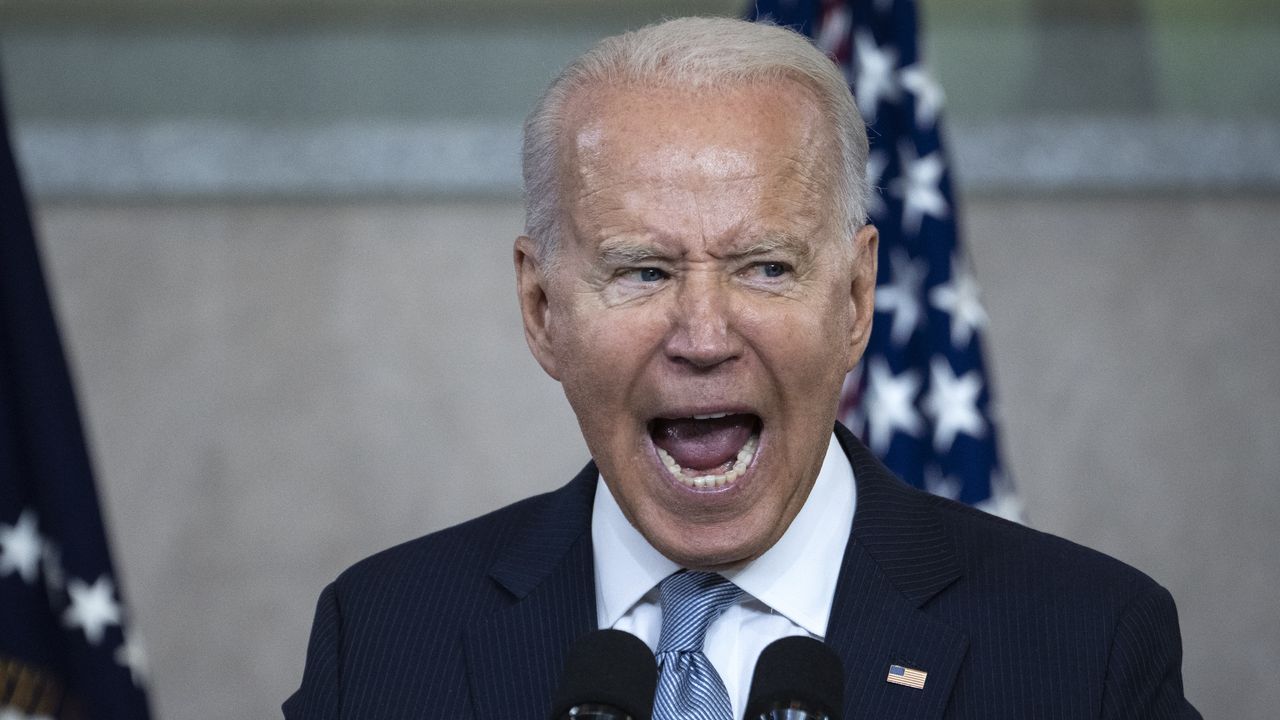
(609,675)
(796,678)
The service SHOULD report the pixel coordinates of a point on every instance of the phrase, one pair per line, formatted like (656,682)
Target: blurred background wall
(279,235)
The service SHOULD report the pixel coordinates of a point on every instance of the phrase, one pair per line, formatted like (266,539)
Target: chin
(742,531)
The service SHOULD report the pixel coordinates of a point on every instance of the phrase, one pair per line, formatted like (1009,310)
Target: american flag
(921,397)
(899,675)
(64,648)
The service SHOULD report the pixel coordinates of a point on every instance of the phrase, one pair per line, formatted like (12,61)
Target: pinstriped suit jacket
(474,621)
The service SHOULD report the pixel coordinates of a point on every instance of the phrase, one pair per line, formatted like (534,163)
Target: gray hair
(691,53)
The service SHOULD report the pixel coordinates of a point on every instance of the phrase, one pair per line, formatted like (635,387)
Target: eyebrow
(627,251)
(630,251)
(784,242)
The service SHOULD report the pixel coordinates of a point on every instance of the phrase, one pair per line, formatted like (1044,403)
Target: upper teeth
(711,416)
(745,455)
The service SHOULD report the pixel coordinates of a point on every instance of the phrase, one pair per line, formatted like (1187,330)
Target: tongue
(703,444)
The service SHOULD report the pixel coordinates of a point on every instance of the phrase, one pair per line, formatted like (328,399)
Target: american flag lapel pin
(911,677)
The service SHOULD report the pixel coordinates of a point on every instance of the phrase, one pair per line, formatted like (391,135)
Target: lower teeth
(745,454)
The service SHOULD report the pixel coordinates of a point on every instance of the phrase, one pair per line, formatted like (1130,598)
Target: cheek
(603,352)
(805,347)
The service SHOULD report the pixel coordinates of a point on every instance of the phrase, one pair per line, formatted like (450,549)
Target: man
(698,274)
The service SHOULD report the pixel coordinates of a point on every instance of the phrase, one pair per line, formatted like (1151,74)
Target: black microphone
(796,678)
(609,675)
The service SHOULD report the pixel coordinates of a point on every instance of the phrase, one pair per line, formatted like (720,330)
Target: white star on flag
(1004,501)
(902,295)
(918,186)
(953,404)
(940,484)
(132,656)
(20,547)
(929,98)
(959,299)
(876,78)
(890,404)
(93,607)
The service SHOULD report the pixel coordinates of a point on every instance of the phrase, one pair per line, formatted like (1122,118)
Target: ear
(866,253)
(531,287)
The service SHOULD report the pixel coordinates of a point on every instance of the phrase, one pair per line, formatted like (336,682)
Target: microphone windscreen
(797,672)
(608,667)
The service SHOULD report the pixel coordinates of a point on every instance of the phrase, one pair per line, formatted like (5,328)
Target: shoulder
(1029,595)
(992,542)
(459,556)
(409,607)
(911,532)
(992,547)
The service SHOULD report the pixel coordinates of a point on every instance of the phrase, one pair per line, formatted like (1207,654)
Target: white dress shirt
(787,590)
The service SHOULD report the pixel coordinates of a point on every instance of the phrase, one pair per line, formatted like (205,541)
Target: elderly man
(698,274)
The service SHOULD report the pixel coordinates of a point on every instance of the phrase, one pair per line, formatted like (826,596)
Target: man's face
(703,308)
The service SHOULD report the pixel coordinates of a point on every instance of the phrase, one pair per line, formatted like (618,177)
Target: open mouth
(709,451)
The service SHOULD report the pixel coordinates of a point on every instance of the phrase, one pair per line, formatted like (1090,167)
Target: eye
(647,275)
(773,269)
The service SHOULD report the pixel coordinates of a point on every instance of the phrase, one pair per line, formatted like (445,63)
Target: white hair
(691,54)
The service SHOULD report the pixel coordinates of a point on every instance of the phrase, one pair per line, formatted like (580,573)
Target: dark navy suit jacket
(474,621)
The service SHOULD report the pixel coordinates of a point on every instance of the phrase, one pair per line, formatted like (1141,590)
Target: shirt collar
(795,578)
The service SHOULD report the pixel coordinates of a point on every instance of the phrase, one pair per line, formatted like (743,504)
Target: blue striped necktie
(688,686)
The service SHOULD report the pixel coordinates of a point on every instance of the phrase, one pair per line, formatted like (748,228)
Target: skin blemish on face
(589,138)
(727,163)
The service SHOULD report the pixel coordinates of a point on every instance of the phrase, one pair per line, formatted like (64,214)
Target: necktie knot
(688,686)
(690,602)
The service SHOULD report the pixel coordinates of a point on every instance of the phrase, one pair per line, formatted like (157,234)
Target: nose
(702,332)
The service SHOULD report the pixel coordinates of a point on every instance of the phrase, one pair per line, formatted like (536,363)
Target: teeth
(669,461)
(712,416)
(702,482)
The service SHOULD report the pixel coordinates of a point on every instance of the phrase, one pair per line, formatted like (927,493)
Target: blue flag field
(64,649)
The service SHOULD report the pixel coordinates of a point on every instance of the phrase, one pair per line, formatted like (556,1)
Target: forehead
(756,153)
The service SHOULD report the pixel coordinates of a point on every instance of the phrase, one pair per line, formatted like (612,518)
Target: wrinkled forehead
(732,127)
(753,154)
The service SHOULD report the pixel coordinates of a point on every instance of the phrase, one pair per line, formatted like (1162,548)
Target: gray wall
(274,391)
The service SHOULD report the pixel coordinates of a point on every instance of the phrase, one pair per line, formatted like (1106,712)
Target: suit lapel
(897,559)
(516,655)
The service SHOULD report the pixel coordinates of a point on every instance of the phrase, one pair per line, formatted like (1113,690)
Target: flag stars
(940,484)
(959,298)
(902,296)
(928,93)
(132,656)
(1003,501)
(919,187)
(929,315)
(20,547)
(952,402)
(890,404)
(92,607)
(876,80)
